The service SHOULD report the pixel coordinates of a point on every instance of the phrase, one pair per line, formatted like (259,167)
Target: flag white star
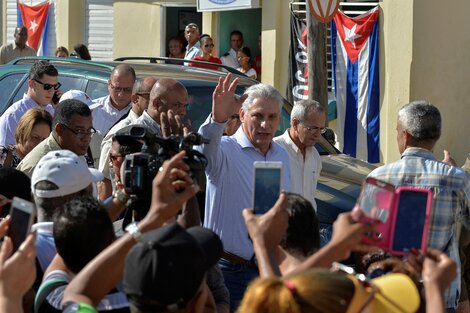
(350,35)
(33,25)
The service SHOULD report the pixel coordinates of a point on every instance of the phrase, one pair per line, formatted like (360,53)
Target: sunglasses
(209,46)
(48,86)
(80,133)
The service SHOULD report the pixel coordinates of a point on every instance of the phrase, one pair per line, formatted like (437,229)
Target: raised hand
(224,101)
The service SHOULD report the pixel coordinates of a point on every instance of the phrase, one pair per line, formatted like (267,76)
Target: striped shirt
(451,201)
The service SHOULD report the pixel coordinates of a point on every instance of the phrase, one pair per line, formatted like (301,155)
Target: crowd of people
(98,245)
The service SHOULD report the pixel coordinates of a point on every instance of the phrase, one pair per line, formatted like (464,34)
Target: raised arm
(224,105)
(105,271)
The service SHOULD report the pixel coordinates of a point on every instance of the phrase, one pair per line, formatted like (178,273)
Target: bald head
(123,70)
(120,86)
(21,36)
(167,94)
(141,94)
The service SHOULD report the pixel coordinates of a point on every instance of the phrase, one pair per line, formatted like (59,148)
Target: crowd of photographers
(142,247)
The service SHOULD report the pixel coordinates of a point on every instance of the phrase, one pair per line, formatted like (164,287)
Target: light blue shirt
(451,201)
(192,52)
(45,244)
(12,115)
(230,183)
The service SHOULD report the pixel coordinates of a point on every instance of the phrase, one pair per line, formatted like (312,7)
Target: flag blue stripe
(373,93)
(350,120)
(45,34)
(19,20)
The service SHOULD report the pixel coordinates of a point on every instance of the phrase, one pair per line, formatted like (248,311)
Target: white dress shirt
(105,115)
(303,173)
(230,59)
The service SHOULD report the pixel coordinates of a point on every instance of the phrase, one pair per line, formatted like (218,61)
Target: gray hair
(262,91)
(302,108)
(421,120)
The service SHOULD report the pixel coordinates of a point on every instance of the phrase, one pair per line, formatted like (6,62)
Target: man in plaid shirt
(418,129)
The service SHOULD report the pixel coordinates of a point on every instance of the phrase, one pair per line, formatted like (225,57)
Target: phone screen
(267,189)
(19,226)
(410,220)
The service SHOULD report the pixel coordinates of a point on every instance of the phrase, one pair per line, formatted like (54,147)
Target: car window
(97,89)
(67,82)
(8,85)
(200,105)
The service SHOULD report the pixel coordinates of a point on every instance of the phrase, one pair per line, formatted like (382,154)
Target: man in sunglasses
(42,84)
(110,109)
(17,49)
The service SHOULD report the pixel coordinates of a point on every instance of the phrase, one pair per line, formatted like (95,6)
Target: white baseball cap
(65,169)
(77,95)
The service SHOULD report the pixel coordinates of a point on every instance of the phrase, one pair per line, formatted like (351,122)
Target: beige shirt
(303,173)
(11,51)
(30,161)
(103,166)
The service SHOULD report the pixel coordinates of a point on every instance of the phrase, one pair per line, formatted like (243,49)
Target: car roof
(103,69)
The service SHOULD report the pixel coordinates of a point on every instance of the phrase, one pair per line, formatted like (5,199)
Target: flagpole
(317,72)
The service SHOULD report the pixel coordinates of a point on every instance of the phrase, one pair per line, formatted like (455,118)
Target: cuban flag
(355,59)
(35,18)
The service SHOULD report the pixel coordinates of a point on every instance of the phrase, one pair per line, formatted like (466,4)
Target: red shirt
(211,59)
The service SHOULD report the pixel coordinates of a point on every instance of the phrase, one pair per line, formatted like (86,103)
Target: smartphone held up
(22,215)
(401,215)
(266,185)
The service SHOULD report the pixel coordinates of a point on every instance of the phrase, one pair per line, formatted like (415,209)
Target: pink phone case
(379,205)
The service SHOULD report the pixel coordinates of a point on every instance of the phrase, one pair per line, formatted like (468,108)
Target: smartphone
(411,220)
(266,185)
(22,215)
(55,98)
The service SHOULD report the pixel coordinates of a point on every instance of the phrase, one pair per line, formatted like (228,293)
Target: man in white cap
(59,176)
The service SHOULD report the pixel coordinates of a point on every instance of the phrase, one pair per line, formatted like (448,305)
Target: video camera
(141,168)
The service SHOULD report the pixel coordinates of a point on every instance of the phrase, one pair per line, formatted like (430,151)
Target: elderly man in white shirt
(109,109)
(308,120)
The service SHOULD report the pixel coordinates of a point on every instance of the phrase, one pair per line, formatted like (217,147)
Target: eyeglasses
(48,86)
(121,89)
(209,46)
(314,129)
(80,133)
(114,158)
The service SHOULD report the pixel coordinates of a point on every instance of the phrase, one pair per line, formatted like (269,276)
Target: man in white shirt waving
(308,120)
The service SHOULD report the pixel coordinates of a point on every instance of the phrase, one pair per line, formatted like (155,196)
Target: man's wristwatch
(121,196)
(134,231)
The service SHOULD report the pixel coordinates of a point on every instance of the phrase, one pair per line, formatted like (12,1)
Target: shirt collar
(290,142)
(418,152)
(245,142)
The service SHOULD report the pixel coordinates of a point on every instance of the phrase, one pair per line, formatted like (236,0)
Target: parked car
(340,180)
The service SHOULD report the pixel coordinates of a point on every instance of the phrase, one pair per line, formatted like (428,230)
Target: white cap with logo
(77,95)
(65,169)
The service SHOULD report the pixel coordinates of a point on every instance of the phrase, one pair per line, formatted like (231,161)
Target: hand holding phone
(21,219)
(266,185)
(401,216)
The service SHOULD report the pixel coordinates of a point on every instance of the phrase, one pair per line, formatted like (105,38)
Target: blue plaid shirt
(451,201)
